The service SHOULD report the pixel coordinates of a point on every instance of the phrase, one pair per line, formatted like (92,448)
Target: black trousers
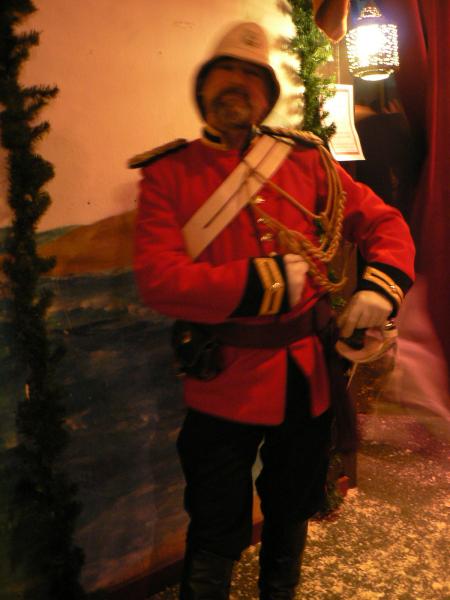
(217,457)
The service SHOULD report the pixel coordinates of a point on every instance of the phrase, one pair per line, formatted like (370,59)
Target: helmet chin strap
(375,343)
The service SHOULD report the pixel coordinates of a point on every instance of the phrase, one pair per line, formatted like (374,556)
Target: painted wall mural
(123,403)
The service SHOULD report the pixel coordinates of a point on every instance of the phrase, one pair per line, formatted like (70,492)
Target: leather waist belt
(274,334)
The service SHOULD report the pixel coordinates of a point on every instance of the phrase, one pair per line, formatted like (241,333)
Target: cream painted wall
(124,70)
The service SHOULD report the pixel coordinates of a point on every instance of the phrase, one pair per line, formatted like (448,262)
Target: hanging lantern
(372,46)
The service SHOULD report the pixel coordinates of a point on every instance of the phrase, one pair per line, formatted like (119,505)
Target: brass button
(267,237)
(260,220)
(186,337)
(259,200)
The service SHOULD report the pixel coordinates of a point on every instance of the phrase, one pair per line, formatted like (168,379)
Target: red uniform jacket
(251,388)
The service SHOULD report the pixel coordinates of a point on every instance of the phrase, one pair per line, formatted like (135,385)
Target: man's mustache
(235,90)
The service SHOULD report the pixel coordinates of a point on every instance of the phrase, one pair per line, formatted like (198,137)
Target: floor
(389,538)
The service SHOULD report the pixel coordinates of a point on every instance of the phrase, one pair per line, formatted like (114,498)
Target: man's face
(235,94)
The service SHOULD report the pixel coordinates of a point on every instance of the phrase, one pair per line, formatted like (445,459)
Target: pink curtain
(423,82)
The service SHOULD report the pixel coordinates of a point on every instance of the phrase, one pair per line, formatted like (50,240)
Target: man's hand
(366,309)
(296,269)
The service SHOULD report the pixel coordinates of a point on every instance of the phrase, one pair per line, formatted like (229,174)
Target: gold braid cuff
(273,283)
(384,281)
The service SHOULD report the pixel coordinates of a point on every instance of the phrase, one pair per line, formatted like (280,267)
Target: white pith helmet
(244,41)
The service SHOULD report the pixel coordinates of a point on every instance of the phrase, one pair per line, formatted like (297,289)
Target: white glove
(366,309)
(296,269)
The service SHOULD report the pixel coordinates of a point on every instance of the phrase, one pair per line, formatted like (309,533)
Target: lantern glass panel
(372,50)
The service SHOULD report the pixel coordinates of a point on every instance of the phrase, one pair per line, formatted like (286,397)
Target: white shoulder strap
(234,193)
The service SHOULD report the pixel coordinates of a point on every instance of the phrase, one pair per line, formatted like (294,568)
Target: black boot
(280,560)
(206,576)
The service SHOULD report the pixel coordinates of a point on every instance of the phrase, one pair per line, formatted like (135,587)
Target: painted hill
(102,246)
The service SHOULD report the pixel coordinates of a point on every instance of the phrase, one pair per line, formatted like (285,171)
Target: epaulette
(144,159)
(299,136)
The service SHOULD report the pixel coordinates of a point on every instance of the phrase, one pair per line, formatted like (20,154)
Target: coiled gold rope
(330,221)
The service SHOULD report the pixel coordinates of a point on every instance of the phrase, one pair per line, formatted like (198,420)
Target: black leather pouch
(197,351)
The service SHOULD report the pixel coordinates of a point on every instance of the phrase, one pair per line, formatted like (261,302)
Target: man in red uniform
(235,249)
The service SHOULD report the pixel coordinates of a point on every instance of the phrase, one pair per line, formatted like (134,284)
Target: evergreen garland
(43,507)
(312,48)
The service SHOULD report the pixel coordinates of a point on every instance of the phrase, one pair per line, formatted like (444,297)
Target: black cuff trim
(284,308)
(250,303)
(400,277)
(252,296)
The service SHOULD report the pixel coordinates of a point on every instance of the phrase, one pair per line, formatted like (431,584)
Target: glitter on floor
(389,540)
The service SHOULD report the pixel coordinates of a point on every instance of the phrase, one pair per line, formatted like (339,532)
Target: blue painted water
(124,409)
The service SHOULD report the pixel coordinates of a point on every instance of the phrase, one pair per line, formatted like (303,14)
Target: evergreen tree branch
(43,507)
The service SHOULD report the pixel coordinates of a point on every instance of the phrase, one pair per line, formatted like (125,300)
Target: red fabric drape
(432,215)
(412,77)
(424,89)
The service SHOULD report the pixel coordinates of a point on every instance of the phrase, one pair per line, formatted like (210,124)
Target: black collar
(213,138)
